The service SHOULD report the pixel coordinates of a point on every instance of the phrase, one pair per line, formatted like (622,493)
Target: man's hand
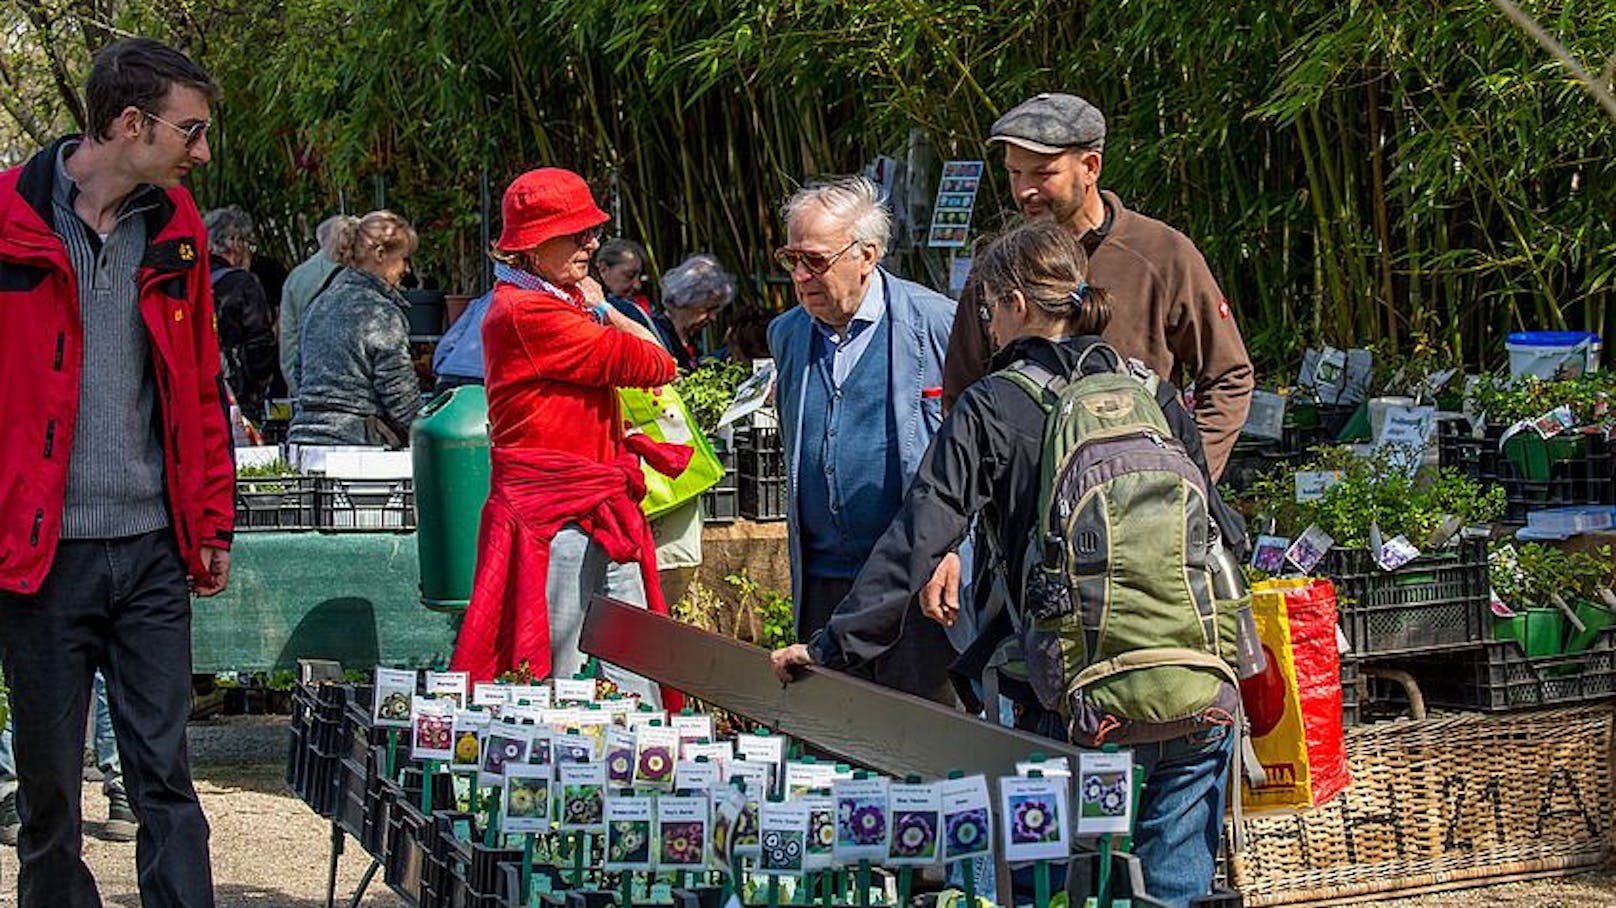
(939,598)
(217,561)
(787,658)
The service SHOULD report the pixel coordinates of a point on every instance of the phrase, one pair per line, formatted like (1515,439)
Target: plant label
(916,814)
(656,749)
(1312,484)
(718,753)
(539,751)
(628,833)
(448,684)
(572,747)
(1309,549)
(392,697)
(782,837)
(1407,426)
(490,696)
(1105,793)
(967,820)
(819,853)
(536,695)
(770,749)
(525,800)
(688,775)
(643,716)
(432,721)
(1060,767)
(1330,374)
(682,832)
(1396,553)
(757,776)
(1266,418)
(620,757)
(569,691)
(583,796)
(1356,376)
(504,744)
(862,824)
(696,727)
(469,727)
(728,813)
(1268,555)
(1036,827)
(802,778)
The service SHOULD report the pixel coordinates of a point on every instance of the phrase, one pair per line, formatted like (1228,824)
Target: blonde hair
(353,240)
(1049,266)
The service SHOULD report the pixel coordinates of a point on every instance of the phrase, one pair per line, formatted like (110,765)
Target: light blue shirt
(844,352)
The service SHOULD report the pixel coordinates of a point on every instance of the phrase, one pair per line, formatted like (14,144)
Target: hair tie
(1080,296)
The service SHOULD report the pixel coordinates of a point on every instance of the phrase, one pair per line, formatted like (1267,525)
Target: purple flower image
(656,764)
(620,766)
(681,844)
(1033,819)
(862,823)
(914,835)
(968,832)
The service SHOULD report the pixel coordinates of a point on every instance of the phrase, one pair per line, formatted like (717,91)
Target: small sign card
(628,833)
(525,800)
(967,820)
(1035,823)
(782,837)
(1312,484)
(1268,555)
(1396,553)
(448,684)
(1309,549)
(620,757)
(433,723)
(537,695)
(689,775)
(862,824)
(654,756)
(572,747)
(682,832)
(726,811)
(821,832)
(394,692)
(1060,766)
(469,727)
(760,748)
(574,691)
(695,727)
(757,777)
(489,695)
(956,197)
(1105,793)
(916,813)
(583,796)
(717,752)
(503,744)
(644,715)
(539,752)
(1266,418)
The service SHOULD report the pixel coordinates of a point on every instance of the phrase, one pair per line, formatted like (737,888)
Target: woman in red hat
(563,520)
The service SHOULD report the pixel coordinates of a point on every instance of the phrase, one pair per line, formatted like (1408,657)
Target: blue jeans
(579,569)
(105,744)
(1181,812)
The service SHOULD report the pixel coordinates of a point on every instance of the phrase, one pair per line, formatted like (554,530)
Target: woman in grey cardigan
(356,382)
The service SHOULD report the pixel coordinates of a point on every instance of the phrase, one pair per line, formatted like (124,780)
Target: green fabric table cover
(352,597)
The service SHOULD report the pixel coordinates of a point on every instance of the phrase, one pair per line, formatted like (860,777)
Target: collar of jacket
(371,282)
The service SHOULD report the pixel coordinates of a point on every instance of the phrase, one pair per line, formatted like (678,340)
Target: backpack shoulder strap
(1042,385)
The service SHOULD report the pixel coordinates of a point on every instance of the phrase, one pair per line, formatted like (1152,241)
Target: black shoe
(121,825)
(10,823)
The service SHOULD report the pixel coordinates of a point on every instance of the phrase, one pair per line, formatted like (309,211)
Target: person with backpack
(1121,639)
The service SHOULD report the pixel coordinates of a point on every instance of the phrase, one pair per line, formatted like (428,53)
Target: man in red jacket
(115,467)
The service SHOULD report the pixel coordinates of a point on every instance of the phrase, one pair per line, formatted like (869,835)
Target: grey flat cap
(1051,123)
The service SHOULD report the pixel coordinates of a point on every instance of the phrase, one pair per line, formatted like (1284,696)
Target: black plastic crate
(719,504)
(758,453)
(1586,479)
(762,499)
(1459,448)
(1435,602)
(351,797)
(1350,714)
(1500,677)
(365,504)
(275,503)
(405,859)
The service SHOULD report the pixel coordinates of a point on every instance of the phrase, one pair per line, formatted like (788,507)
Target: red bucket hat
(546,203)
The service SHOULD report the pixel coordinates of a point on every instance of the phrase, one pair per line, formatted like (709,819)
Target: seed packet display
(469,726)
(718,753)
(433,725)
(525,799)
(802,778)
(628,833)
(448,684)
(782,837)
(967,821)
(393,694)
(572,747)
(504,743)
(654,758)
(620,757)
(574,690)
(819,848)
(861,820)
(643,716)
(1104,793)
(916,815)
(583,796)
(689,775)
(1036,827)
(682,832)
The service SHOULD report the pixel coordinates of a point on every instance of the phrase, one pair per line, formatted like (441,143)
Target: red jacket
(41,346)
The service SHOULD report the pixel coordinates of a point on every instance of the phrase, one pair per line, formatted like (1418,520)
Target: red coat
(41,349)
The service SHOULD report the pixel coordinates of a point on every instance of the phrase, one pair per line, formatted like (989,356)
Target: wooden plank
(858,721)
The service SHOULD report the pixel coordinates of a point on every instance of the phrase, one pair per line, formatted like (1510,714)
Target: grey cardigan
(355,364)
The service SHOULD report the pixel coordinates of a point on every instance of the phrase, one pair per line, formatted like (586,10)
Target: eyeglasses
(584,237)
(985,313)
(817,263)
(193,133)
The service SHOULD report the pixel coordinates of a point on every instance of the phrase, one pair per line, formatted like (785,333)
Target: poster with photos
(393,696)
(525,799)
(1036,826)
(956,197)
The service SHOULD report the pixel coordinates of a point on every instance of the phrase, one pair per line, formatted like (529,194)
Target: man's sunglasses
(193,133)
(817,263)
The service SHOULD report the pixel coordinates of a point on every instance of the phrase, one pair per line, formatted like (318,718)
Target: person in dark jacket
(246,321)
(356,382)
(985,460)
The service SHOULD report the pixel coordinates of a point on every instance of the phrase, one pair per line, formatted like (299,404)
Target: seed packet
(819,851)
(448,684)
(572,747)
(861,820)
(782,837)
(967,824)
(569,691)
(433,724)
(682,832)
(489,695)
(654,758)
(504,743)
(583,796)
(916,815)
(628,833)
(1105,793)
(693,776)
(1036,827)
(469,726)
(394,693)
(620,757)
(525,799)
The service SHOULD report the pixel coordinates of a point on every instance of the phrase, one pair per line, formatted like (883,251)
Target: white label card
(682,832)
(694,727)
(432,722)
(1312,484)
(782,837)
(392,696)
(862,825)
(448,684)
(655,756)
(1309,549)
(490,695)
(629,833)
(525,800)
(583,796)
(1105,793)
(1036,826)
(967,820)
(574,690)
(916,815)
(688,775)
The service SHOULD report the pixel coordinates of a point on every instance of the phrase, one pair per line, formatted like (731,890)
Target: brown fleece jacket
(1166,311)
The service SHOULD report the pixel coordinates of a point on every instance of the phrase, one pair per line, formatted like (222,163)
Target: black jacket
(246,337)
(984,461)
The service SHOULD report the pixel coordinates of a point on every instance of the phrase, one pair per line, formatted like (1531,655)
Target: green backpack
(1119,626)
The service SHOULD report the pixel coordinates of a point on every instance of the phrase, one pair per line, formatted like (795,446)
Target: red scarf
(534,493)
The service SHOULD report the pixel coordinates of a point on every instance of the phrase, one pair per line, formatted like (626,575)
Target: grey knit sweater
(354,363)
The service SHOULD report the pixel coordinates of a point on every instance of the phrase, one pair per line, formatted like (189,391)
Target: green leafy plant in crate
(1545,587)
(709,390)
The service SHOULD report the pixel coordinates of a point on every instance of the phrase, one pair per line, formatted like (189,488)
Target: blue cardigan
(920,320)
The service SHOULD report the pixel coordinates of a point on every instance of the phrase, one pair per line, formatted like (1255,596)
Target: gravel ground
(270,851)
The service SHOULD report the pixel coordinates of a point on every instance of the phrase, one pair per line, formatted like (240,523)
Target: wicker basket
(1444,803)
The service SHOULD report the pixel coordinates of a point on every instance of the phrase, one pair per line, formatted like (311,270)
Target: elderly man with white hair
(860,396)
(306,281)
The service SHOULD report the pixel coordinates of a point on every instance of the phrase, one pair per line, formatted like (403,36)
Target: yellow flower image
(465,750)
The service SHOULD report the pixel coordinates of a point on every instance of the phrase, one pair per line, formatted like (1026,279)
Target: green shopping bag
(661,414)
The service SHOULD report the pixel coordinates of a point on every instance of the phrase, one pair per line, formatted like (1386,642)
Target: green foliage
(756,614)
(1589,397)
(709,390)
(1536,571)
(276,468)
(1374,490)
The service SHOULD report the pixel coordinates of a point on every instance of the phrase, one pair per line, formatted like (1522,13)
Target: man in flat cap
(1170,314)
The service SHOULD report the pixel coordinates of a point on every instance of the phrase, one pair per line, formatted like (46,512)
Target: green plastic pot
(1534,456)
(1595,618)
(1537,630)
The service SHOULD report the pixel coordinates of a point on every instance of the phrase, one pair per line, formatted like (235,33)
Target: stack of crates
(761,473)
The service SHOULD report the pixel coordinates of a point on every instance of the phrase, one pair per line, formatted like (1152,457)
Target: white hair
(324,233)
(697,281)
(225,226)
(852,201)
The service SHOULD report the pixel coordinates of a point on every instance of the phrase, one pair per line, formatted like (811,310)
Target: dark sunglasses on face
(192,133)
(817,263)
(584,237)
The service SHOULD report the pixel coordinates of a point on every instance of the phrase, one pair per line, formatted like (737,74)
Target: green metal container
(449,446)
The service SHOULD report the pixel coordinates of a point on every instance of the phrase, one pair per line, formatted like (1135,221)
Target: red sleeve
(218,458)
(567,345)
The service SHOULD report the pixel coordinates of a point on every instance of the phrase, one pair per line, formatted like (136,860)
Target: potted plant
(1551,598)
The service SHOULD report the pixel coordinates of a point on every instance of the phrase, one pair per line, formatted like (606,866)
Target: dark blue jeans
(120,605)
(1181,812)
